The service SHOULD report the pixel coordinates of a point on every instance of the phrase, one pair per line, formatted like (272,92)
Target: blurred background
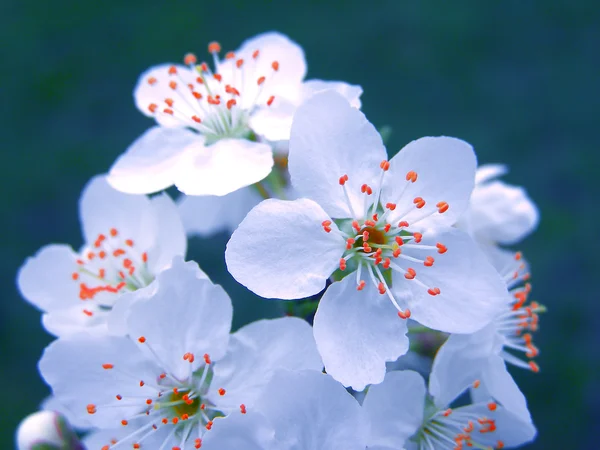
(518,80)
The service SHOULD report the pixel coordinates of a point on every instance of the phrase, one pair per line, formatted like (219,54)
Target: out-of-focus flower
(386,225)
(46,430)
(178,368)
(128,240)
(215,125)
(498,213)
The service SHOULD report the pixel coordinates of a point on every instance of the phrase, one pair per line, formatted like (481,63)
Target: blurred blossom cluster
(411,306)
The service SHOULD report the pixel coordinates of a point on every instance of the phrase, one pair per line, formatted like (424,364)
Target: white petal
(330,139)
(357,332)
(311,411)
(395,409)
(210,214)
(487,172)
(224,167)
(45,279)
(76,319)
(96,440)
(274,122)
(445,169)
(350,92)
(256,351)
(458,363)
(73,367)
(170,240)
(280,250)
(186,314)
(502,213)
(471,291)
(250,431)
(152,162)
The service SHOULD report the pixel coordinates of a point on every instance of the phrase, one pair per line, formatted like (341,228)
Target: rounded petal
(357,332)
(350,92)
(152,162)
(445,172)
(330,139)
(170,240)
(224,167)
(45,279)
(89,318)
(274,123)
(186,314)
(210,214)
(280,250)
(85,370)
(256,351)
(501,213)
(250,431)
(487,172)
(471,293)
(395,409)
(309,410)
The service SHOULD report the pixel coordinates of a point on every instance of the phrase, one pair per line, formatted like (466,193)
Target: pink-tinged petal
(223,167)
(310,410)
(395,409)
(209,214)
(45,280)
(350,92)
(151,163)
(460,292)
(186,314)
(357,332)
(438,170)
(331,139)
(281,249)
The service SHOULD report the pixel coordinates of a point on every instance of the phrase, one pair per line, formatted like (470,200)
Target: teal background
(516,79)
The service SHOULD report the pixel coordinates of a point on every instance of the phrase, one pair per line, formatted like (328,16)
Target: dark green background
(517,79)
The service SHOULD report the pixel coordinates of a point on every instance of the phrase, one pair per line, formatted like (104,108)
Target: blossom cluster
(414,305)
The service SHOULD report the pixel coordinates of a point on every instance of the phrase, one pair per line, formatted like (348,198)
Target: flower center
(111,265)
(216,103)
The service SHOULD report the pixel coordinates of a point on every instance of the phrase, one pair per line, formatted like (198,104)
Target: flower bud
(46,430)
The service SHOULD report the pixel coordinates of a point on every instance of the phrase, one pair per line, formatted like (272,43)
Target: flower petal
(78,318)
(357,332)
(445,172)
(224,167)
(487,172)
(330,139)
(274,123)
(280,250)
(350,92)
(250,431)
(151,163)
(45,279)
(210,214)
(471,293)
(87,370)
(395,409)
(309,410)
(256,351)
(186,314)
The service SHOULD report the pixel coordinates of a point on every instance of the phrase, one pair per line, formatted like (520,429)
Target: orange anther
(209,424)
(119,397)
(366,189)
(355,225)
(197,443)
(419,202)
(441,248)
(492,406)
(149,401)
(168,111)
(189,59)
(270,101)
(442,207)
(152,80)
(213,100)
(349,243)
(196,119)
(239,63)
(175,420)
(397,252)
(152,107)
(172,70)
(91,408)
(218,77)
(75,276)
(214,47)
(169,101)
(243,408)
(385,165)
(428,261)
(387,227)
(499,444)
(260,80)
(361,285)
(230,103)
(229,55)
(390,206)
(107,366)
(203,68)
(370,223)
(197,95)
(404,314)
(173,85)
(141,339)
(343,179)
(129,242)
(411,176)
(275,66)
(189,357)
(518,256)
(124,422)
(207,359)
(410,273)
(365,236)
(381,288)
(534,367)
(403,224)
(476,384)
(88,313)
(342,264)
(142,383)
(386,263)
(417,237)
(255,54)
(447,412)
(221,391)
(433,291)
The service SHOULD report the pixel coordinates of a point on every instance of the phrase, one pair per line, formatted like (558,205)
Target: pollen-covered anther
(441,248)
(488,425)
(189,357)
(428,261)
(447,412)
(349,243)
(403,224)
(243,408)
(390,206)
(419,202)
(534,367)
(411,176)
(476,384)
(169,101)
(209,424)
(404,314)
(172,70)
(229,55)
(152,107)
(386,263)
(492,406)
(218,77)
(385,165)
(190,59)
(124,422)
(381,288)
(198,443)
(196,119)
(168,111)
(434,291)
(366,189)
(239,63)
(356,226)
(270,100)
(207,359)
(442,207)
(222,391)
(214,47)
(417,237)
(108,366)
(230,103)
(275,65)
(343,179)
(499,444)
(361,285)
(260,80)
(152,81)
(91,408)
(410,273)
(326,224)
(342,264)
(470,427)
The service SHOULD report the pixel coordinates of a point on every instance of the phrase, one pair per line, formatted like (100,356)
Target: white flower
(498,213)
(384,224)
(46,430)
(178,369)
(128,240)
(214,125)
(305,410)
(479,355)
(403,414)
